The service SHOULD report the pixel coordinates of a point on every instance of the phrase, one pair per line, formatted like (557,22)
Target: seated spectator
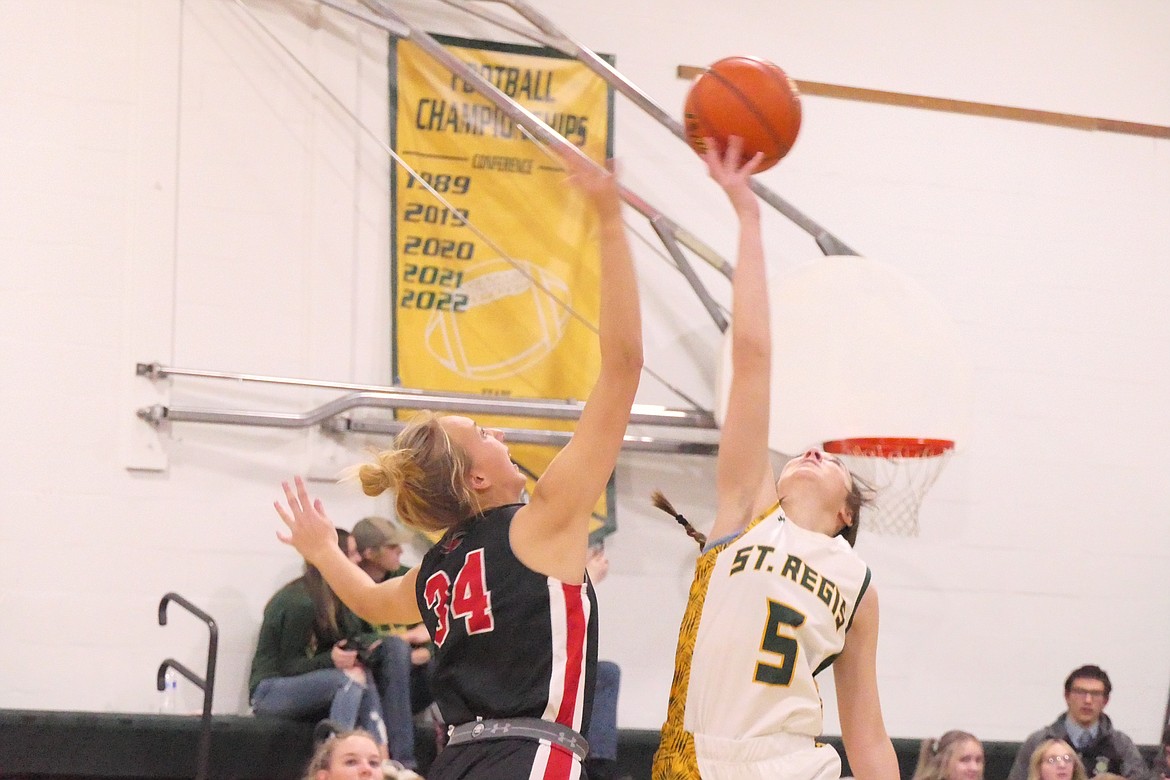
(602,732)
(378,544)
(346,542)
(317,659)
(955,755)
(1086,727)
(1054,759)
(349,755)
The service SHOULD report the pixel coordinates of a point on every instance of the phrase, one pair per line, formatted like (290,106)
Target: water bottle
(169,704)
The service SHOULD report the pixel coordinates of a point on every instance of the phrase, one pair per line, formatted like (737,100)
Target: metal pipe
(630,443)
(688,273)
(536,36)
(158,414)
(359,14)
(389,397)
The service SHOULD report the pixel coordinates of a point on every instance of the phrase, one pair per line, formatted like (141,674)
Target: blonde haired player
(776,596)
(503,593)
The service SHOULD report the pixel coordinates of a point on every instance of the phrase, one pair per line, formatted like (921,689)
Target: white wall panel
(175,188)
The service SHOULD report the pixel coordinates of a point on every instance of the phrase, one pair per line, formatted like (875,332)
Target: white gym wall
(173,188)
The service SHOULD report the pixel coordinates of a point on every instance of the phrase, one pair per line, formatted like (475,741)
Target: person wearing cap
(379,544)
(391,658)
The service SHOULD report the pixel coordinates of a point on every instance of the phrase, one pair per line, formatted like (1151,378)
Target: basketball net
(900,471)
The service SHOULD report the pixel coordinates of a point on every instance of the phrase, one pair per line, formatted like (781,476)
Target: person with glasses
(1054,759)
(1085,726)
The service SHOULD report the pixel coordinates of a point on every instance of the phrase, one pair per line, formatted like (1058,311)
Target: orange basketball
(745,96)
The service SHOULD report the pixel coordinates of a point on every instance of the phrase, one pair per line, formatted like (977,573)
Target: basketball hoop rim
(889,447)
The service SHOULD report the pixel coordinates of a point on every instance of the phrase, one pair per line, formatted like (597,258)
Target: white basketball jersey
(778,603)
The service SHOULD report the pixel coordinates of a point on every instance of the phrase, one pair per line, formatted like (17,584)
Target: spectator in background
(378,544)
(955,755)
(316,659)
(1086,727)
(602,735)
(350,755)
(346,542)
(1054,759)
(302,667)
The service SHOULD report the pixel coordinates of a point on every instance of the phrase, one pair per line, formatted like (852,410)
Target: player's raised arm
(551,533)
(871,754)
(743,464)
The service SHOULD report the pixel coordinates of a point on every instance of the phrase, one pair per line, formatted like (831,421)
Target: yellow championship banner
(491,286)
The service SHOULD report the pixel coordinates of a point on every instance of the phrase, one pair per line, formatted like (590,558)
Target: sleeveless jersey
(509,642)
(768,610)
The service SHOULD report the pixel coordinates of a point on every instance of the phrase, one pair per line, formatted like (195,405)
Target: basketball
(745,96)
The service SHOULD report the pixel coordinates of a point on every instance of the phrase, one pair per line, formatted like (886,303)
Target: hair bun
(374,478)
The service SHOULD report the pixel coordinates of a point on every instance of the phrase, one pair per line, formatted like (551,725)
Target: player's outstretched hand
(731,172)
(599,184)
(310,530)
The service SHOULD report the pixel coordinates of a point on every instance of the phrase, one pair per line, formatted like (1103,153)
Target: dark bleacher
(38,744)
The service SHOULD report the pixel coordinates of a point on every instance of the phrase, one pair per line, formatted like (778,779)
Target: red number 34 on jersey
(468,599)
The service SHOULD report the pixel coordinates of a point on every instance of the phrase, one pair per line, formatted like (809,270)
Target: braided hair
(660,501)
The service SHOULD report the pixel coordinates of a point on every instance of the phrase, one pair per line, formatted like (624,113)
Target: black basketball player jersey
(510,642)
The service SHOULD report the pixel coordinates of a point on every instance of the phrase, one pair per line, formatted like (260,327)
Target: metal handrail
(393,397)
(630,442)
(330,414)
(207,685)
